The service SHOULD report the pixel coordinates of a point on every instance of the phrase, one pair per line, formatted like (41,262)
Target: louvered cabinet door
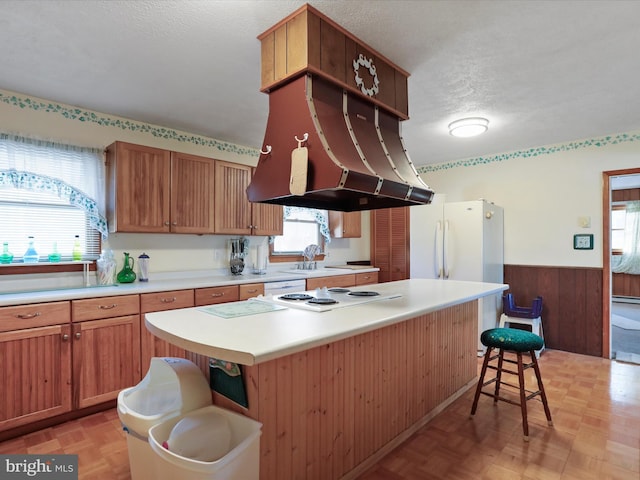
(390,243)
(192,194)
(35,374)
(233,209)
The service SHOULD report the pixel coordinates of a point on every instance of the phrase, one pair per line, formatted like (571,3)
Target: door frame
(606,254)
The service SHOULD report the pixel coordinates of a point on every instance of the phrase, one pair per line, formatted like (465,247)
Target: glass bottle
(54,256)
(7,256)
(106,264)
(126,275)
(76,253)
(31,256)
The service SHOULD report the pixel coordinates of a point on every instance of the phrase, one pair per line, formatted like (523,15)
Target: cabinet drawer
(210,296)
(348,280)
(104,307)
(36,315)
(250,290)
(156,302)
(366,278)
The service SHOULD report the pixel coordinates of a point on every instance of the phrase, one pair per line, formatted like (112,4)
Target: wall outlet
(584,222)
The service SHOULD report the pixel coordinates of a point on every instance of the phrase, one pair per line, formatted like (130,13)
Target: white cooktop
(344,297)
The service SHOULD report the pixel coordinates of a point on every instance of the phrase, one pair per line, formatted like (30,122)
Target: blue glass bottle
(30,256)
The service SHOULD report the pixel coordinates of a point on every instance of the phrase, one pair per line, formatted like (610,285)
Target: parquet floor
(595,405)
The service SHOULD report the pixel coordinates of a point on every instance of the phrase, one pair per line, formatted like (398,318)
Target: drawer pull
(107,307)
(65,337)
(252,291)
(78,335)
(169,300)
(25,316)
(217,295)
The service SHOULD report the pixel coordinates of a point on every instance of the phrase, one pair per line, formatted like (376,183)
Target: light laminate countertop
(162,282)
(257,338)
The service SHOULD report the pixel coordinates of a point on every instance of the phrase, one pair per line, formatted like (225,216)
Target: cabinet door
(106,358)
(35,374)
(390,243)
(345,224)
(267,219)
(233,210)
(192,193)
(138,188)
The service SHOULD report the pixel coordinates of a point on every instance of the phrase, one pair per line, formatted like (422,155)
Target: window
(52,192)
(618,221)
(52,222)
(301,227)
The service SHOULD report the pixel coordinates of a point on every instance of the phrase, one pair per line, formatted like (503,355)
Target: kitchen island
(337,390)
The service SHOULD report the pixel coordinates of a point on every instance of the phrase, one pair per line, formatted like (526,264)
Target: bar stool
(519,342)
(531,316)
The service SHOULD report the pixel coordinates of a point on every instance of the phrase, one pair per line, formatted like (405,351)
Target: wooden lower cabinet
(214,295)
(106,347)
(106,358)
(331,281)
(250,290)
(151,346)
(35,374)
(366,278)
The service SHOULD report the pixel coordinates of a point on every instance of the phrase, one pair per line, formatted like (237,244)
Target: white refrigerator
(460,241)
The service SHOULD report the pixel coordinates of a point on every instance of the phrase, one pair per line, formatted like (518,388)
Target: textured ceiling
(542,71)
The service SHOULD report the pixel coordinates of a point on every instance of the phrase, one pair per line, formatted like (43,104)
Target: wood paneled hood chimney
(333,138)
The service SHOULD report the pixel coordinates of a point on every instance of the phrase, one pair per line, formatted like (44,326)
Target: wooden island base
(332,411)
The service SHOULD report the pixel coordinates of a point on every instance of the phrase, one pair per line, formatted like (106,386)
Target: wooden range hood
(341,101)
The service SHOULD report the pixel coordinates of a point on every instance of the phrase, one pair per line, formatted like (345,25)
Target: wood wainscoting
(332,411)
(572,304)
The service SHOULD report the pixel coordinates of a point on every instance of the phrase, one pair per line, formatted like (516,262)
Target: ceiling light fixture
(468,127)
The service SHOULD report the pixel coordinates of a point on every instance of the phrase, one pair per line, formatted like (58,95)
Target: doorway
(621,292)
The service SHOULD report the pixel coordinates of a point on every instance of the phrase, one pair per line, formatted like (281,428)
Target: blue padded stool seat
(520,343)
(511,339)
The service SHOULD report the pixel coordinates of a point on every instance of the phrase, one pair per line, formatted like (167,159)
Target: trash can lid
(171,387)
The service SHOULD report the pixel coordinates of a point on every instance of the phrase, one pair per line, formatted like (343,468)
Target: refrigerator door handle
(446,249)
(439,250)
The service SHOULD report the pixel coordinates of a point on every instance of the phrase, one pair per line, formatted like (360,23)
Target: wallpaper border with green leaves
(88,116)
(533,152)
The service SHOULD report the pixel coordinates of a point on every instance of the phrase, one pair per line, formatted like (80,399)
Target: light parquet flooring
(595,404)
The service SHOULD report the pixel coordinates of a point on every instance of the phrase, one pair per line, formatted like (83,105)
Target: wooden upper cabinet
(234,214)
(308,41)
(138,183)
(345,224)
(151,190)
(192,193)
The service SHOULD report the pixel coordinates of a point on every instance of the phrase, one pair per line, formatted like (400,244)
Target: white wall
(543,192)
(30,116)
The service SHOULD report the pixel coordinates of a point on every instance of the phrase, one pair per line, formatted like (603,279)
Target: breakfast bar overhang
(336,390)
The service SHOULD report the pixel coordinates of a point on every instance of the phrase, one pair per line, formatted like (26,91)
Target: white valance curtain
(630,259)
(74,174)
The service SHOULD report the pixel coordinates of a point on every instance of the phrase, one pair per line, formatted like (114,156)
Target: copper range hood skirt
(356,155)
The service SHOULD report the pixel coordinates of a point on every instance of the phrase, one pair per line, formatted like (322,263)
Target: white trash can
(171,388)
(213,444)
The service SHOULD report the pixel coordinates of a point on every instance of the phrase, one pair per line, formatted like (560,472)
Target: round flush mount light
(468,127)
